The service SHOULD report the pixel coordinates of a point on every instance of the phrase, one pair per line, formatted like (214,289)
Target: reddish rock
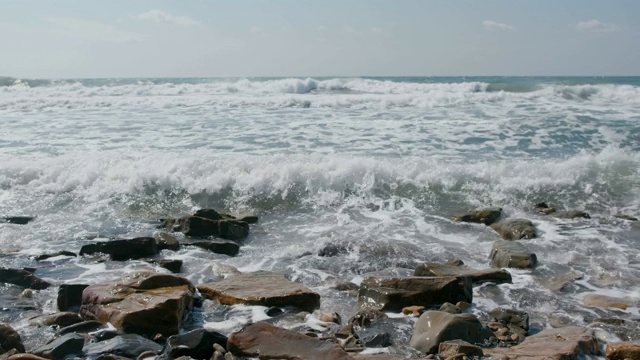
(623,350)
(604,301)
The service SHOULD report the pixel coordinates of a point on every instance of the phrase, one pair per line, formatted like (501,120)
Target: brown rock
(515,229)
(597,300)
(145,303)
(408,310)
(395,293)
(512,254)
(454,347)
(166,241)
(261,288)
(10,339)
(435,327)
(485,216)
(269,342)
(463,305)
(497,276)
(61,319)
(22,278)
(559,283)
(623,350)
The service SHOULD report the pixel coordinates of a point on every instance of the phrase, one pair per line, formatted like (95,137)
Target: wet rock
(625,217)
(217,246)
(603,301)
(462,305)
(333,317)
(127,345)
(374,337)
(22,277)
(70,296)
(346,286)
(330,250)
(249,219)
(552,344)
(59,253)
(383,357)
(125,249)
(144,303)
(166,241)
(19,220)
(416,311)
(497,276)
(435,327)
(516,322)
(69,344)
(274,311)
(261,288)
(623,350)
(485,216)
(197,344)
(173,265)
(625,330)
(366,317)
(10,339)
(515,229)
(570,214)
(393,294)
(450,308)
(61,319)
(453,347)
(201,227)
(559,283)
(512,254)
(269,342)
(25,357)
(82,327)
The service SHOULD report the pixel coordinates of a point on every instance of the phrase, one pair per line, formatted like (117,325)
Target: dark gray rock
(173,265)
(128,345)
(166,241)
(125,249)
(69,344)
(485,216)
(203,227)
(82,327)
(512,254)
(59,253)
(570,214)
(19,220)
(435,327)
(70,296)
(197,344)
(223,247)
(22,277)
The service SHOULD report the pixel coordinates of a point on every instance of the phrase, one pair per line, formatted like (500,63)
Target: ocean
(376,166)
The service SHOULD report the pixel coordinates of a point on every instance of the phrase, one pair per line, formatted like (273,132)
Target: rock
(61,319)
(623,350)
(373,337)
(144,302)
(261,288)
(485,216)
(217,246)
(366,317)
(200,226)
(22,277)
(603,301)
(165,241)
(173,265)
(249,219)
(19,220)
(197,344)
(69,344)
(435,327)
(462,305)
(512,254)
(120,250)
(274,311)
(511,318)
(328,317)
(625,217)
(416,311)
(70,296)
(570,214)
(453,347)
(450,308)
(561,282)
(82,327)
(346,286)
(269,342)
(10,339)
(395,293)
(27,293)
(128,345)
(552,344)
(59,253)
(330,250)
(515,229)
(26,357)
(497,276)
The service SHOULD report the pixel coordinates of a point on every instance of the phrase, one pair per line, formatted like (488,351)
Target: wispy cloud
(160,17)
(93,31)
(494,25)
(596,26)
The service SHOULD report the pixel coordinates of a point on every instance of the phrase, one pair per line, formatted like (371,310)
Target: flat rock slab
(224,247)
(124,249)
(453,347)
(436,327)
(22,278)
(515,229)
(396,293)
(485,216)
(604,301)
(61,319)
(552,344)
(69,344)
(266,341)
(261,288)
(623,350)
(144,303)
(512,254)
(128,345)
(494,275)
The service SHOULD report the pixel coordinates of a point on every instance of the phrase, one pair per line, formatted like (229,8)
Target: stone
(19,220)
(625,217)
(59,253)
(261,288)
(202,227)
(249,219)
(450,308)
(485,216)
(373,337)
(561,282)
(604,301)
(22,277)
(330,250)
(143,303)
(82,327)
(333,317)
(512,254)
(124,249)
(570,214)
(70,296)
(453,347)
(435,327)
(366,317)
(69,344)
(197,344)
(165,241)
(393,294)
(346,286)
(173,265)
(511,317)
(269,342)
(412,310)
(462,305)
(515,229)
(25,357)
(494,275)
(10,339)
(127,345)
(623,350)
(569,342)
(61,319)
(217,246)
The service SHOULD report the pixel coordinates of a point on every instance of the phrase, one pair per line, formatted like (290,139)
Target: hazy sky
(181,38)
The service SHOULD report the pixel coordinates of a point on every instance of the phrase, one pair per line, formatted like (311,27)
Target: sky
(238,38)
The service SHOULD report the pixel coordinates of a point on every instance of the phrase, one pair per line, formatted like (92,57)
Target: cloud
(596,26)
(494,25)
(93,31)
(160,17)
